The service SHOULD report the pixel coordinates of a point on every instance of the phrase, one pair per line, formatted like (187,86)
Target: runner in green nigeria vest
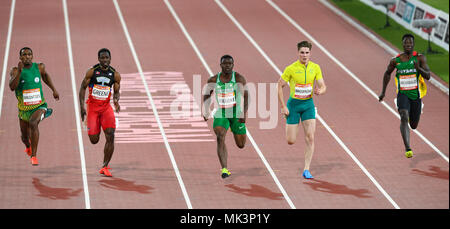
(29,91)
(228,98)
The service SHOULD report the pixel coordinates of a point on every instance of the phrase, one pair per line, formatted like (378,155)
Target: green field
(376,20)
(438,4)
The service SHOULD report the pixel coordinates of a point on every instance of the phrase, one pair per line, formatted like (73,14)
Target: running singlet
(29,91)
(227,98)
(301,79)
(100,85)
(407,79)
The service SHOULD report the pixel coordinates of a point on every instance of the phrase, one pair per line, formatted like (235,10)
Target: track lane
(56,182)
(286,161)
(379,152)
(197,161)
(434,123)
(141,178)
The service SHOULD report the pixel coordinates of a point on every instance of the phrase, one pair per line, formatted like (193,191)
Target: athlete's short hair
(407,35)
(25,48)
(226,57)
(104,50)
(304,44)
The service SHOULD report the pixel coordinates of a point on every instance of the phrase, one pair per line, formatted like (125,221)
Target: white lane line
(155,111)
(174,14)
(318,116)
(5,59)
(77,109)
(299,28)
(378,41)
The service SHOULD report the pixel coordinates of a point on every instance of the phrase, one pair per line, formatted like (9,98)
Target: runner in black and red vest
(101,78)
(411,88)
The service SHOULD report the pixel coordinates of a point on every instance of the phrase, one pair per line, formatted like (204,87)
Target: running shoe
(48,112)
(409,154)
(105,171)
(225,173)
(34,161)
(307,174)
(28,151)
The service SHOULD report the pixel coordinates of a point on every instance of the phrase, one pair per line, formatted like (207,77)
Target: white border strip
(5,60)
(351,74)
(155,111)
(318,116)
(375,39)
(174,14)
(77,109)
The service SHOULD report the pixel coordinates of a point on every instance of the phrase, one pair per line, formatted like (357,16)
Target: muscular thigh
(309,126)
(107,118)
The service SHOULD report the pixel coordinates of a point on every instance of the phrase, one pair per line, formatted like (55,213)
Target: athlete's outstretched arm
(281,85)
(207,96)
(116,97)
(387,78)
(422,67)
(47,80)
(82,92)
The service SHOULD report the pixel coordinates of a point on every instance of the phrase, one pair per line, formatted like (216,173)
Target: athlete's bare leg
(94,138)
(240,140)
(221,147)
(25,133)
(291,133)
(309,127)
(109,146)
(33,123)
(404,129)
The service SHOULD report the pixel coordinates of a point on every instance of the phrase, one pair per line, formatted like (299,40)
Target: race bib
(303,91)
(226,100)
(31,96)
(408,82)
(100,92)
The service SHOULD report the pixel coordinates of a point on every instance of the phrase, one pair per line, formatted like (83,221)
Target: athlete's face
(304,54)
(227,65)
(26,56)
(104,59)
(408,44)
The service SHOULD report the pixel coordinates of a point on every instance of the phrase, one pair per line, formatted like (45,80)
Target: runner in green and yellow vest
(411,68)
(229,88)
(26,80)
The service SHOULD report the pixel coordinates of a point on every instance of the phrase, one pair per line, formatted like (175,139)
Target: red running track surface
(143,173)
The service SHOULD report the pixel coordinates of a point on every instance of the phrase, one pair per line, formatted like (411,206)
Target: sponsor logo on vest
(103,80)
(406,71)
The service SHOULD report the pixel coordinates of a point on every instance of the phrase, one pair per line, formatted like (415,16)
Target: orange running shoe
(105,171)
(34,161)
(28,151)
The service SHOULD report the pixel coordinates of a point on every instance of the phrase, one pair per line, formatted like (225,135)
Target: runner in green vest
(411,69)
(26,82)
(229,87)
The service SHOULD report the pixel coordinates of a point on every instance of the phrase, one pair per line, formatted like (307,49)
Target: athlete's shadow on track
(434,171)
(124,185)
(323,186)
(255,191)
(54,193)
(421,157)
